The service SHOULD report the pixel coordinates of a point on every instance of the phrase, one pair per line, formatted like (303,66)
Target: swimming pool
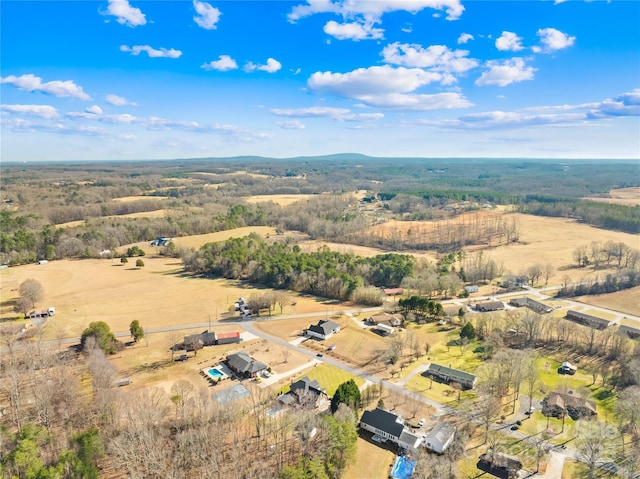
(215,373)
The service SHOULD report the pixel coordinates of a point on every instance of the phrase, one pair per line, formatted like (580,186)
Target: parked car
(530,411)
(421,422)
(319,355)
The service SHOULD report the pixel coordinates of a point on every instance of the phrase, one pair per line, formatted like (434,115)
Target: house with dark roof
(306,393)
(532,304)
(588,320)
(390,427)
(562,401)
(630,331)
(323,330)
(451,375)
(500,464)
(488,306)
(244,365)
(440,437)
(383,423)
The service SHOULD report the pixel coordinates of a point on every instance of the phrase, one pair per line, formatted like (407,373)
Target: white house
(391,427)
(440,437)
(323,330)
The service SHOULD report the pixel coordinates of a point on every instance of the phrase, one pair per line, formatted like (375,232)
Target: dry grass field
(129,199)
(627,301)
(196,241)
(157,295)
(282,200)
(622,196)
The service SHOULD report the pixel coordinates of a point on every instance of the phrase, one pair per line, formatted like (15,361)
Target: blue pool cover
(403,468)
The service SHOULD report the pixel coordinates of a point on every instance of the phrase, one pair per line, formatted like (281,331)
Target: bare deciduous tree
(32,290)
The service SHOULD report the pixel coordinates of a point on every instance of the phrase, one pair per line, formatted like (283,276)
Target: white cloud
(417,102)
(57,88)
(373,10)
(126,14)
(509,41)
(207,16)
(552,40)
(626,104)
(464,38)
(43,111)
(223,63)
(271,66)
(152,52)
(116,100)
(505,73)
(355,31)
(377,80)
(95,109)
(435,57)
(338,114)
(291,125)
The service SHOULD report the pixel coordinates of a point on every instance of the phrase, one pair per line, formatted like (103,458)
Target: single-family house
(244,365)
(630,331)
(488,306)
(532,304)
(472,288)
(588,320)
(562,401)
(500,464)
(394,320)
(305,393)
(451,375)
(440,437)
(323,330)
(383,423)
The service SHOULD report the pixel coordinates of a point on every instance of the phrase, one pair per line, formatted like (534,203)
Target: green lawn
(329,377)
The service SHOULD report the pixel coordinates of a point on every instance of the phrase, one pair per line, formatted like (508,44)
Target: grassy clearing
(329,377)
(626,301)
(372,462)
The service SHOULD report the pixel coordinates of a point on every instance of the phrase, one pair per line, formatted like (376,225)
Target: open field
(282,200)
(196,241)
(129,199)
(541,240)
(621,196)
(158,295)
(627,301)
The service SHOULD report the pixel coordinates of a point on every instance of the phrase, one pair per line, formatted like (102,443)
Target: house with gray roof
(488,306)
(532,304)
(588,320)
(306,393)
(451,375)
(630,331)
(244,365)
(440,437)
(323,330)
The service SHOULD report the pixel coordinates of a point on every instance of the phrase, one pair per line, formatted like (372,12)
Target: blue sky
(126,79)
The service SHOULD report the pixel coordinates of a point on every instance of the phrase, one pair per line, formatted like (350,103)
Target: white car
(421,422)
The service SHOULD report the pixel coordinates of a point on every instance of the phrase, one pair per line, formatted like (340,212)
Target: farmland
(172,294)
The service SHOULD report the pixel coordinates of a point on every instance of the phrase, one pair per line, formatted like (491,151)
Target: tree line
(284,266)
